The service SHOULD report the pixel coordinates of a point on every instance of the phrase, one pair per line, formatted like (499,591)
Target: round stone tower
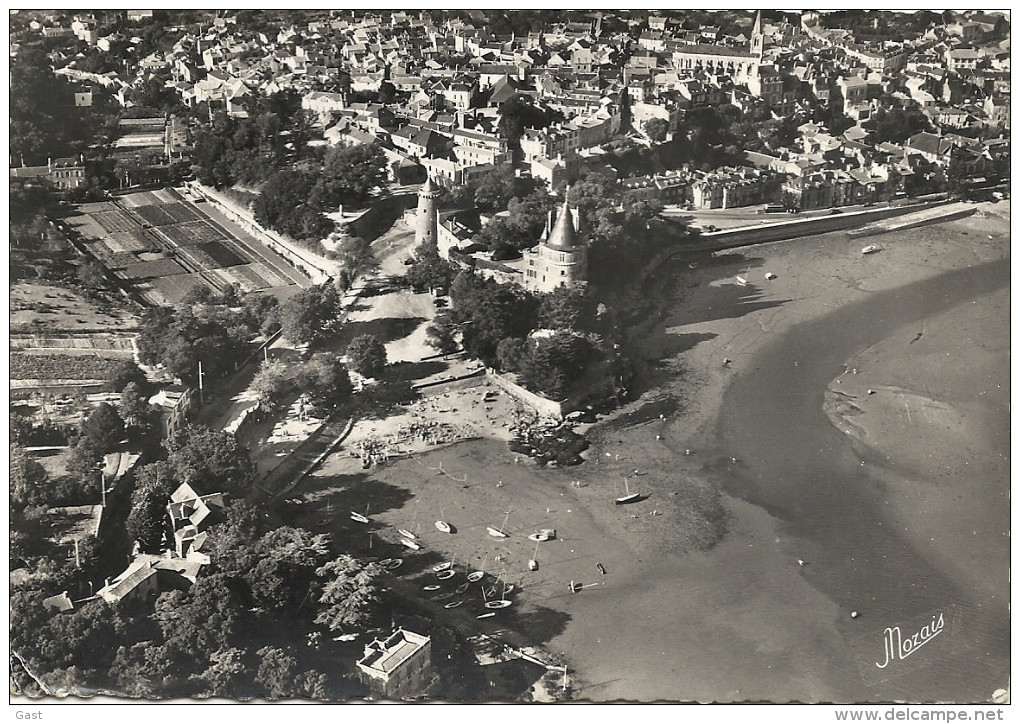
(427,228)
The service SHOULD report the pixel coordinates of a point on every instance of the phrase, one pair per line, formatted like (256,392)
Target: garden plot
(152,269)
(215,254)
(181,212)
(192,232)
(112,221)
(142,198)
(96,207)
(172,289)
(155,215)
(165,196)
(253,277)
(134,240)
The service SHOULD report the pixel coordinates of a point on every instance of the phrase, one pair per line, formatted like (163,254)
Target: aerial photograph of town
(510,356)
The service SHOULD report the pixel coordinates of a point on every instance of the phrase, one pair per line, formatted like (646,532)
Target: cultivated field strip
(166,247)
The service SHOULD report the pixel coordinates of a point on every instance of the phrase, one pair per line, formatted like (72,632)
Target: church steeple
(757,37)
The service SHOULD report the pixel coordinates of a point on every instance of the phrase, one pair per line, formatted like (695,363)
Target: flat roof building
(398,667)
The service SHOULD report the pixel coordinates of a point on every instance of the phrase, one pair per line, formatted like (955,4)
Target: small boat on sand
(487,615)
(543,535)
(391,564)
(433,587)
(410,544)
(443,566)
(503,603)
(629,497)
(499,532)
(406,534)
(476,576)
(443,526)
(869,249)
(741,281)
(445,575)
(358,517)
(453,604)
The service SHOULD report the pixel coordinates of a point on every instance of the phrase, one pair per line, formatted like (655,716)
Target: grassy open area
(57,309)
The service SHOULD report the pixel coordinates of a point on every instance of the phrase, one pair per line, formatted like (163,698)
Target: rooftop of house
(384,657)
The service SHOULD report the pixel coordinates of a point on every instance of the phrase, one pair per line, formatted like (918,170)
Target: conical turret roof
(562,234)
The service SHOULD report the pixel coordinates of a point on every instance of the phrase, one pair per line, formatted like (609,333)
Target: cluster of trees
(879,26)
(248,150)
(33,491)
(495,323)
(625,232)
(428,270)
(323,380)
(215,330)
(546,364)
(507,236)
(366,355)
(308,316)
(517,114)
(37,250)
(716,136)
(897,124)
(208,460)
(292,200)
(488,312)
(44,121)
(287,584)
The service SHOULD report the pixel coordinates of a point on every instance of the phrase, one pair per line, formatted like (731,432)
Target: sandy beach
(752,421)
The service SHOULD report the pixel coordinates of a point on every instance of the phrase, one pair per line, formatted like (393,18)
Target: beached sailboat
(446,575)
(629,497)
(543,535)
(499,532)
(453,604)
(406,534)
(410,544)
(441,524)
(475,576)
(869,249)
(358,517)
(533,561)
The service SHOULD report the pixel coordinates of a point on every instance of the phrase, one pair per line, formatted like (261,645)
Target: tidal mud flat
(768,521)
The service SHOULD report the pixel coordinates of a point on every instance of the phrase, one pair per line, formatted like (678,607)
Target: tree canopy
(210,460)
(366,355)
(326,382)
(147,521)
(308,315)
(489,312)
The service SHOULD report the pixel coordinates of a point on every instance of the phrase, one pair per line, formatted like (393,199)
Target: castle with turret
(561,257)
